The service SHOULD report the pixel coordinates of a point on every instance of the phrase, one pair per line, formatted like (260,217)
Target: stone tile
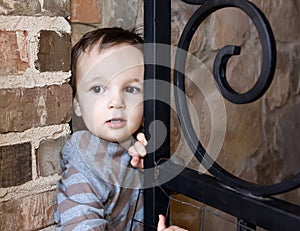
(56,8)
(24,7)
(121,13)
(232,27)
(85,11)
(278,93)
(284,18)
(287,140)
(34,7)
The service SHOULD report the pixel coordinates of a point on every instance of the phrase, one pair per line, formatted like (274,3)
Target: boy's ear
(76,107)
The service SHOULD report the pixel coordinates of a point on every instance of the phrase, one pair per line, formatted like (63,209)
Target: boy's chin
(117,138)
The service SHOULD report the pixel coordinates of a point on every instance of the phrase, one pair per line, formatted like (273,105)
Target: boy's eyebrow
(137,80)
(97,78)
(93,79)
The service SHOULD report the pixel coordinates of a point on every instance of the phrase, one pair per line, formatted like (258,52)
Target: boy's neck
(126,143)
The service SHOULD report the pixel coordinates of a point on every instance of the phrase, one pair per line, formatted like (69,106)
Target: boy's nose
(116,102)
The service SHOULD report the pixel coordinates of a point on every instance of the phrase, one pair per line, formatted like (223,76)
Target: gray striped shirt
(98,189)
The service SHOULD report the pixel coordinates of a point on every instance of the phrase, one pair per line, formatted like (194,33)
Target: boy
(101,185)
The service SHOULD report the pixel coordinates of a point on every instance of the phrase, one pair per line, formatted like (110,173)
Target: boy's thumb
(141,137)
(161,223)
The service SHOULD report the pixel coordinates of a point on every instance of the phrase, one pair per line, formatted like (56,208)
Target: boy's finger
(141,137)
(132,151)
(161,223)
(140,149)
(137,150)
(135,161)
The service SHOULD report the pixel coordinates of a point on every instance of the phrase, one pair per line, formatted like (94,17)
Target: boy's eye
(133,90)
(98,89)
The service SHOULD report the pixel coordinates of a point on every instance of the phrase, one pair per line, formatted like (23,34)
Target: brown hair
(104,38)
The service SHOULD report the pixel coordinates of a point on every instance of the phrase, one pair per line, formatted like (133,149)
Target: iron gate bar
(266,212)
(157,30)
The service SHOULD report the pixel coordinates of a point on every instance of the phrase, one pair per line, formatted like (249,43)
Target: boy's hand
(161,226)
(138,151)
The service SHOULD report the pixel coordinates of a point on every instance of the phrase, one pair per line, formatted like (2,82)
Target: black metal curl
(260,87)
(194,2)
(268,64)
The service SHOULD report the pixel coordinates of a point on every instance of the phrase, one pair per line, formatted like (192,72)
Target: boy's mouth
(116,123)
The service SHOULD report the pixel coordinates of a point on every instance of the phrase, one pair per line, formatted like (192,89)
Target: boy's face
(110,91)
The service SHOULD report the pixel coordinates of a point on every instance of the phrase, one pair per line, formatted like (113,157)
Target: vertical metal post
(157,30)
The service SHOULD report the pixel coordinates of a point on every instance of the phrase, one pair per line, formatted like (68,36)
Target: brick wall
(35,102)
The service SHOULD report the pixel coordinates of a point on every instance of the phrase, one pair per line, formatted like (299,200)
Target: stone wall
(35,102)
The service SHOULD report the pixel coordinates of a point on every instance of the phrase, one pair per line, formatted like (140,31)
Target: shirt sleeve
(78,206)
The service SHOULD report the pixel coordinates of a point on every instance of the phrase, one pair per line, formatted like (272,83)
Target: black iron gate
(252,204)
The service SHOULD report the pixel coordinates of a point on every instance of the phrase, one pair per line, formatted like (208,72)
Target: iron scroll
(260,87)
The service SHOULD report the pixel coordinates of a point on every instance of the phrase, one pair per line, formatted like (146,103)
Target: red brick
(85,11)
(32,212)
(48,156)
(54,51)
(22,109)
(15,164)
(14,53)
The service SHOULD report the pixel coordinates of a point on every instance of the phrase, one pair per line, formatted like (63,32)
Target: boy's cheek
(137,107)
(136,116)
(89,108)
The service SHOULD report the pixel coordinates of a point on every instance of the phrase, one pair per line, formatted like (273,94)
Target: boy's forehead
(109,61)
